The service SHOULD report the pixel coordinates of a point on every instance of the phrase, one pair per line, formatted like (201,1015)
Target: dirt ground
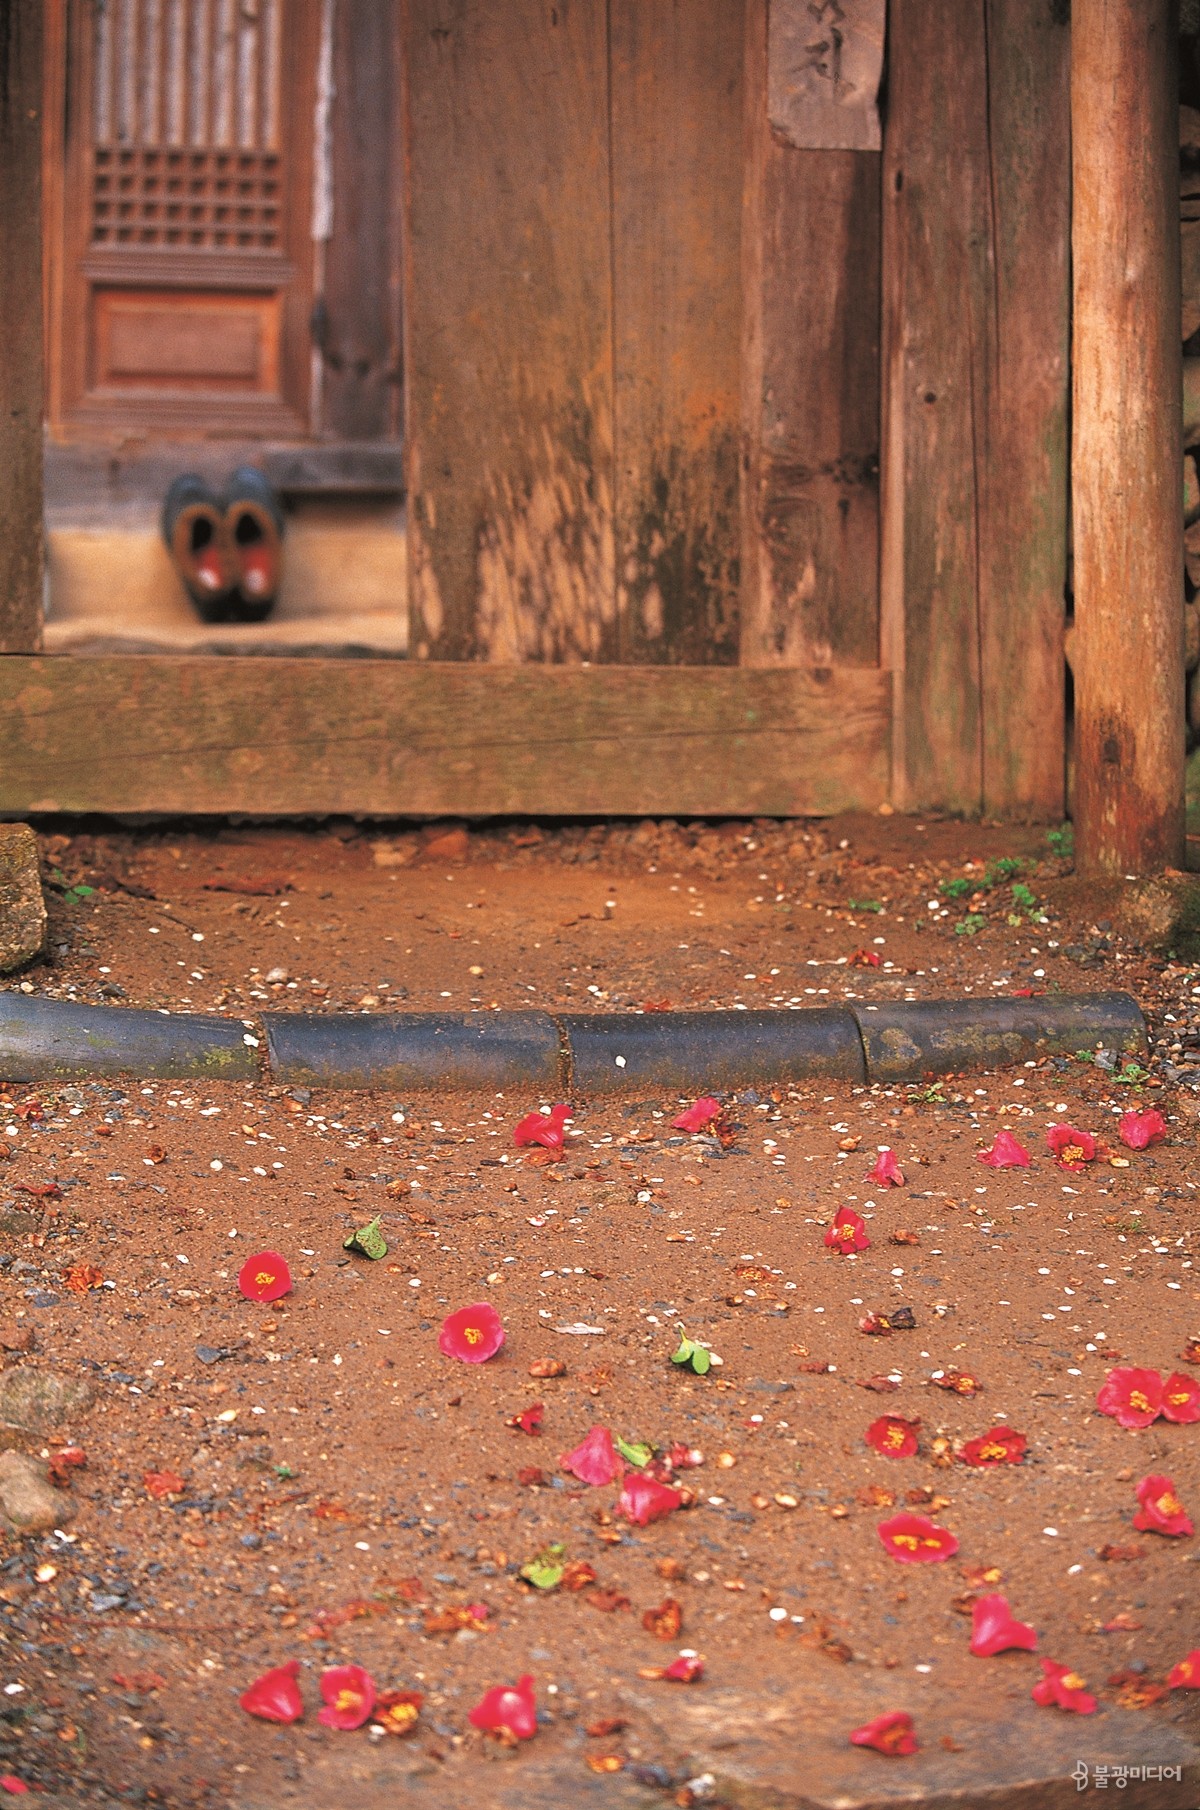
(337,1483)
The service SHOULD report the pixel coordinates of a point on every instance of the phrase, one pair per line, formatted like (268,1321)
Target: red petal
(508,1706)
(275,1697)
(1005,1153)
(698,1115)
(595,1460)
(891,1733)
(546,1129)
(1186,1675)
(994,1630)
(642,1500)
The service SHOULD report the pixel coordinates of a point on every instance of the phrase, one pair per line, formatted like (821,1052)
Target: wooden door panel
(183,257)
(143,339)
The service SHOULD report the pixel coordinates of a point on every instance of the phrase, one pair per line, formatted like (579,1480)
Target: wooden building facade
(726,344)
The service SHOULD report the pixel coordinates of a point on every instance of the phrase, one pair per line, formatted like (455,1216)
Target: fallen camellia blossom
(892,1733)
(1191,1350)
(265,1277)
(595,1460)
(684,1670)
(349,1694)
(544,1128)
(275,1697)
(12,1784)
(1005,1153)
(893,1436)
(916,1540)
(1161,1510)
(1072,1149)
(642,1500)
(1060,1685)
(999,1445)
(959,1382)
(864,958)
(887,1172)
(529,1420)
(396,1712)
(63,1461)
(163,1483)
(1138,1129)
(665,1621)
(455,1617)
(847,1233)
(701,1113)
(508,1709)
(83,1276)
(1181,1399)
(473,1334)
(1186,1675)
(994,1629)
(1132,1397)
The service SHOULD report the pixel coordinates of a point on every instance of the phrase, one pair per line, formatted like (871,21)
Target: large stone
(22,907)
(41,1401)
(1163,913)
(29,1502)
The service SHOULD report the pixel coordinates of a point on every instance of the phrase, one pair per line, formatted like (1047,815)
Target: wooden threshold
(278,737)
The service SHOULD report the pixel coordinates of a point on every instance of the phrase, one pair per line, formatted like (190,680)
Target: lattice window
(190,199)
(186,117)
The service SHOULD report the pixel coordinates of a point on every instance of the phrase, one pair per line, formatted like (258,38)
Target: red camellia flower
(1161,1510)
(1061,1686)
(1132,1397)
(473,1334)
(1138,1129)
(349,1694)
(886,1173)
(994,1630)
(848,1232)
(1072,1149)
(545,1128)
(891,1733)
(265,1277)
(508,1708)
(276,1695)
(1181,1398)
(893,1436)
(916,1540)
(698,1115)
(1186,1675)
(595,1459)
(999,1445)
(1005,1153)
(643,1500)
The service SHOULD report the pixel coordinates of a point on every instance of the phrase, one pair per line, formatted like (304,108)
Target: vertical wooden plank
(361,345)
(676,221)
(508,330)
(973,550)
(1024,480)
(810,591)
(21,23)
(935,304)
(1127,650)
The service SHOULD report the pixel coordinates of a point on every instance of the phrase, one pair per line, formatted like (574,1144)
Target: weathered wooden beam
(810,376)
(389,738)
(1127,654)
(974,493)
(21,30)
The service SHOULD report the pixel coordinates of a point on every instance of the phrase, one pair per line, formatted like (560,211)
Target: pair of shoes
(228,550)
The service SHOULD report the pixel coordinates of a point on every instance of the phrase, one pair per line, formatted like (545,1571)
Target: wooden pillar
(20,325)
(1127,652)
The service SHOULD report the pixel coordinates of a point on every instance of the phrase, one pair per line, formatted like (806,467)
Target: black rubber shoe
(193,526)
(254,532)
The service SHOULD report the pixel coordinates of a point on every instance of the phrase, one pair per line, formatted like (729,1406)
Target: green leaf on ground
(368,1241)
